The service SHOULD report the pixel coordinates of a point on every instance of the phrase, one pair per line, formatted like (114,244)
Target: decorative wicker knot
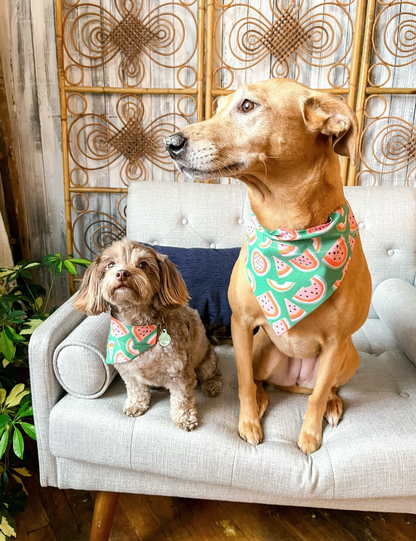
(284,37)
(410,146)
(133,142)
(131,36)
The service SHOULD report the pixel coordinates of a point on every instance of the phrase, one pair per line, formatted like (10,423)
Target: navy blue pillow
(207,274)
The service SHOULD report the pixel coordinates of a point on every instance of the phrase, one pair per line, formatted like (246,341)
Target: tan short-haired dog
(282,140)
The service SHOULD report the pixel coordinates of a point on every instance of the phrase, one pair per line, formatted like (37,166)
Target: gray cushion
(79,361)
(378,429)
(395,304)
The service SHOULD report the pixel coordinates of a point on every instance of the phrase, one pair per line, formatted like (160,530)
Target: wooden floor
(65,515)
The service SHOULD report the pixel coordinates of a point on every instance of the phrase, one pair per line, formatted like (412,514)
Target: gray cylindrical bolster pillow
(79,361)
(394,301)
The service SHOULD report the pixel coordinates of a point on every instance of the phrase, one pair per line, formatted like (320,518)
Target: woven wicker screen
(133,71)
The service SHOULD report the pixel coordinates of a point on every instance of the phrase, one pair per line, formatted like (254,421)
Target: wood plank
(82,506)
(44,534)
(35,516)
(61,517)
(264,522)
(140,517)
(168,519)
(207,520)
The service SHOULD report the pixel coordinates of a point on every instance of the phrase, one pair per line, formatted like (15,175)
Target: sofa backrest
(194,215)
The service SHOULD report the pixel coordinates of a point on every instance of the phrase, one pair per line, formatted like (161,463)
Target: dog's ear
(330,116)
(89,299)
(173,291)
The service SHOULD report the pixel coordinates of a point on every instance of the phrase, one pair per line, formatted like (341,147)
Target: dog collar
(293,272)
(125,342)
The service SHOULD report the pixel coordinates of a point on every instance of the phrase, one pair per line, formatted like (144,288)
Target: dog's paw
(212,387)
(333,411)
(135,409)
(309,442)
(250,431)
(186,419)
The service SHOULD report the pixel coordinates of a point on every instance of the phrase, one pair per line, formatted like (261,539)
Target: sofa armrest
(394,300)
(46,390)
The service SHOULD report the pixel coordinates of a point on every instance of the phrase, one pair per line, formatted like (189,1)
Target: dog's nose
(175,144)
(122,275)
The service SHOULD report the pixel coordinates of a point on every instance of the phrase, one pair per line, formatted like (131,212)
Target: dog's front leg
(331,360)
(249,423)
(182,404)
(138,394)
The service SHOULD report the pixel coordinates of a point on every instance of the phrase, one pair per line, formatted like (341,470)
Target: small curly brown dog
(142,287)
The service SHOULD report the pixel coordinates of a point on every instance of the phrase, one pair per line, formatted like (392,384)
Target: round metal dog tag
(164,338)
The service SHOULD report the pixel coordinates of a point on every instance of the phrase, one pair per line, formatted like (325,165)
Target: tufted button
(240,221)
(404,394)
(212,245)
(155,243)
(361,225)
(390,252)
(185,221)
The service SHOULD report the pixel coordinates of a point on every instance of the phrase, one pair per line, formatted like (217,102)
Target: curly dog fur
(142,287)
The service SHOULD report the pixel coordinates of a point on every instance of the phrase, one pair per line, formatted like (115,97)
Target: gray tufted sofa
(367,463)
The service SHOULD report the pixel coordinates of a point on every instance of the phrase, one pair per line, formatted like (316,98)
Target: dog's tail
(209,374)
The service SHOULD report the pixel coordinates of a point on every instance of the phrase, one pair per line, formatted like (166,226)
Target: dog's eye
(143,265)
(247,106)
(111,264)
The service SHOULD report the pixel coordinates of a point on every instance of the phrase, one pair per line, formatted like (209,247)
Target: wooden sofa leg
(104,510)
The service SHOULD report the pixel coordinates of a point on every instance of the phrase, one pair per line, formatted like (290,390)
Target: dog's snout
(122,275)
(176,144)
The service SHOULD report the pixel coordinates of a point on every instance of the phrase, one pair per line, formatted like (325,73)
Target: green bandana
(293,272)
(125,342)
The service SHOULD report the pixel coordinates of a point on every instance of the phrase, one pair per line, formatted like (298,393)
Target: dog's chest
(156,367)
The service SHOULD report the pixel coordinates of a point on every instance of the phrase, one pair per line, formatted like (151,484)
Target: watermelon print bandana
(293,272)
(125,342)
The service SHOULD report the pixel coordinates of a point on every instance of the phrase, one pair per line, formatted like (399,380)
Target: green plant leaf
(4,440)
(12,334)
(31,326)
(70,267)
(82,262)
(20,481)
(16,316)
(25,274)
(18,443)
(7,346)
(25,410)
(16,395)
(29,429)
(32,265)
(4,419)
(59,268)
(2,397)
(7,525)
(24,472)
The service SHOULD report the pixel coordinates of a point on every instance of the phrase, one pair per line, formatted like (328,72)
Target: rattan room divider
(133,71)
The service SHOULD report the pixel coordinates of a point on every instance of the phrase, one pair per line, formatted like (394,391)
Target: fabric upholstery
(82,476)
(46,389)
(207,276)
(395,304)
(378,428)
(79,361)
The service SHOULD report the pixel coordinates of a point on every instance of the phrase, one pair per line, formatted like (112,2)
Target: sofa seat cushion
(371,454)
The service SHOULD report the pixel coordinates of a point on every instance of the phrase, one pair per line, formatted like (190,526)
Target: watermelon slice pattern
(315,259)
(126,342)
